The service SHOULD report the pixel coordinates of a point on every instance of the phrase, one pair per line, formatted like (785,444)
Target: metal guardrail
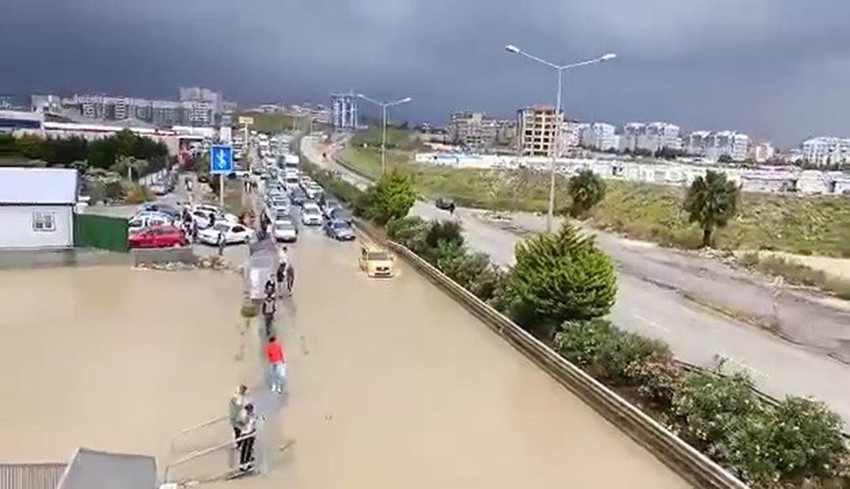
(691,464)
(31,476)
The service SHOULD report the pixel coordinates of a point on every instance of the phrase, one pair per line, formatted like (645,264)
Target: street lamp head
(608,56)
(359,95)
(404,100)
(512,49)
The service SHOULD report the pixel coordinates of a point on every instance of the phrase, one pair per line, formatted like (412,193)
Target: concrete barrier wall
(678,455)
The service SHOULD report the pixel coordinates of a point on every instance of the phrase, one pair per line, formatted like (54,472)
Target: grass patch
(818,225)
(795,273)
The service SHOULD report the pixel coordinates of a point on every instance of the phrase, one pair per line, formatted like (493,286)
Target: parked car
(148,219)
(159,189)
(340,214)
(297,196)
(162,208)
(285,230)
(220,214)
(339,230)
(311,216)
(158,237)
(329,205)
(233,233)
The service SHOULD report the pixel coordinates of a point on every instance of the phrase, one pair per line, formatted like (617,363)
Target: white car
(233,233)
(219,213)
(284,230)
(311,215)
(144,220)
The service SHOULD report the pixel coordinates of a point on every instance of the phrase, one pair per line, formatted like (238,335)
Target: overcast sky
(778,69)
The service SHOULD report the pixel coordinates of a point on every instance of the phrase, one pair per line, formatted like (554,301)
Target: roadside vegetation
(807,225)
(561,289)
(795,273)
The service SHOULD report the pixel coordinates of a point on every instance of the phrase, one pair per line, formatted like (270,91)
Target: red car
(158,237)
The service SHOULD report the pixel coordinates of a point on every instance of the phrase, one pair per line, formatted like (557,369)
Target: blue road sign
(221,159)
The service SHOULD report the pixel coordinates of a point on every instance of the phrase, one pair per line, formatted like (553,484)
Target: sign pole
(221,191)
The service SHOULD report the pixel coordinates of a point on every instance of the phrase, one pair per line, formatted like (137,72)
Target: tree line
(102,153)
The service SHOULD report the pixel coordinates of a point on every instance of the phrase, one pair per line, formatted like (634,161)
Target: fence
(31,476)
(104,232)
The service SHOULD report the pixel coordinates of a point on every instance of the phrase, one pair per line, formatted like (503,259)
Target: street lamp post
(384,106)
(560,69)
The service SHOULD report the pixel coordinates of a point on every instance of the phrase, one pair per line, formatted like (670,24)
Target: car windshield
(378,256)
(221,227)
(285,225)
(339,225)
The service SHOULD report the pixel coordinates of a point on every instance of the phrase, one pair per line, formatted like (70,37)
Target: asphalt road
(650,303)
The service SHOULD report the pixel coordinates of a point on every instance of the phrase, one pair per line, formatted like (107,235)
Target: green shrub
(391,197)
(806,440)
(707,405)
(586,190)
(581,341)
(656,378)
(408,231)
(488,281)
(139,194)
(624,350)
(563,277)
(449,231)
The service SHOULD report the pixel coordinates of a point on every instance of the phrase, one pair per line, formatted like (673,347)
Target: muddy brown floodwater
(113,358)
(392,384)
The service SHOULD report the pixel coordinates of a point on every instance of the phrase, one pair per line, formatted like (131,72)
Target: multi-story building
(198,112)
(199,94)
(344,110)
(571,132)
(762,152)
(716,145)
(166,113)
(825,151)
(651,136)
(600,136)
(474,130)
(537,130)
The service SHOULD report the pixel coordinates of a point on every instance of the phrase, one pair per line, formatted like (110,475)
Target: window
(44,221)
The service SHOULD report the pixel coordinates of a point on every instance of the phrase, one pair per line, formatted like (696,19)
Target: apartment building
(825,151)
(763,152)
(200,94)
(716,145)
(600,136)
(651,136)
(473,130)
(537,130)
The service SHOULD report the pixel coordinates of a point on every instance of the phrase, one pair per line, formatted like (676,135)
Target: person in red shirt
(277,364)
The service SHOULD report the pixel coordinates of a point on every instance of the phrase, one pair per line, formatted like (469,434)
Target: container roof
(38,185)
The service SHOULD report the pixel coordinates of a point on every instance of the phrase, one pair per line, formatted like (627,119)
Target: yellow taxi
(376,261)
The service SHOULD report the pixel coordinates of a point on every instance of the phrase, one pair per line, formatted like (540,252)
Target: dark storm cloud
(776,68)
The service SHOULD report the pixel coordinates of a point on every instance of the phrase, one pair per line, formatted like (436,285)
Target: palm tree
(711,201)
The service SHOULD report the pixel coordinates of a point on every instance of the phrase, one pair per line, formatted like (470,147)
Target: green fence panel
(104,232)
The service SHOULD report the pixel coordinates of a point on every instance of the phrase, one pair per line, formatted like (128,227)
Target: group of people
(243,419)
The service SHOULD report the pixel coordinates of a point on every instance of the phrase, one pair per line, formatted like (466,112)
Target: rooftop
(38,186)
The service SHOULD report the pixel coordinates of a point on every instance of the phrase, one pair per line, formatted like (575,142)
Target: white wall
(16,227)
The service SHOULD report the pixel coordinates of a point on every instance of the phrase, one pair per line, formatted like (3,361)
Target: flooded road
(112,358)
(392,384)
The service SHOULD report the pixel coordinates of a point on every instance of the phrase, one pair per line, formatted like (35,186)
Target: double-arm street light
(384,106)
(556,133)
